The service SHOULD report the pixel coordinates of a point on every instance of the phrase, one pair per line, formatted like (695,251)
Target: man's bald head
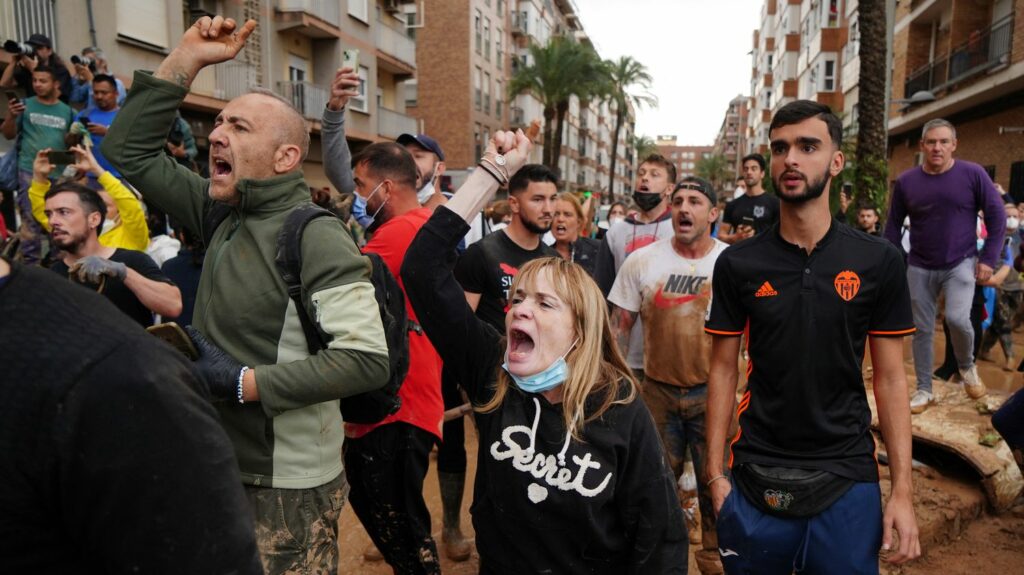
(289,124)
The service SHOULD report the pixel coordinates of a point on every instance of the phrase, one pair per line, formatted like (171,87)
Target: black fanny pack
(788,492)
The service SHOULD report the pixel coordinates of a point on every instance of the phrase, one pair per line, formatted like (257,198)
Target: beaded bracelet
(241,376)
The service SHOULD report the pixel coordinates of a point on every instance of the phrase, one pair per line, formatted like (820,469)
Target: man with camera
(90,64)
(279,404)
(31,54)
(38,122)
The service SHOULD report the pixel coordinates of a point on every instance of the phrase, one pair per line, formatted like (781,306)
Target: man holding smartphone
(38,122)
(754,211)
(98,117)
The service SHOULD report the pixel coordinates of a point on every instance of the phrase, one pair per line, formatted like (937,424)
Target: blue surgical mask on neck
(550,378)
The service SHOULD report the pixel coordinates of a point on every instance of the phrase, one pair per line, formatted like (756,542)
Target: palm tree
(644,146)
(871,173)
(625,74)
(715,169)
(561,69)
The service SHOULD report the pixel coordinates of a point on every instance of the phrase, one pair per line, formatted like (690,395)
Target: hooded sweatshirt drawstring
(536,422)
(568,438)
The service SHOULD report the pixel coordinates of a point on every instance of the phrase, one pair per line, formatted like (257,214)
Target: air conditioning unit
(392,6)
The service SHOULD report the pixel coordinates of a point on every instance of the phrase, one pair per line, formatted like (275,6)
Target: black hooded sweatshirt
(545,502)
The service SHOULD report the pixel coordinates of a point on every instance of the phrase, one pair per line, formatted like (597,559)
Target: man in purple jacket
(943,197)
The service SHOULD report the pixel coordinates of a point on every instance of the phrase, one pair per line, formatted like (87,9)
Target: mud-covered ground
(959,533)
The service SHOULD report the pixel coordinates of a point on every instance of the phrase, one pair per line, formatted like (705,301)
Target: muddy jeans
(1001,329)
(386,468)
(679,418)
(297,529)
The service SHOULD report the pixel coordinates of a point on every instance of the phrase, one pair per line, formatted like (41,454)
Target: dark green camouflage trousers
(297,529)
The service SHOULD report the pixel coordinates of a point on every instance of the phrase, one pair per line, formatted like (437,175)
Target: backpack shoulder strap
(213,218)
(288,259)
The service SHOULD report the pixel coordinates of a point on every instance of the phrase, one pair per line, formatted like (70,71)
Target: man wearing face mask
(654,180)
(430,163)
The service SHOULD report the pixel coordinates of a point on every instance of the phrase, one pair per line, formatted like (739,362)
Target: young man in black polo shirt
(804,491)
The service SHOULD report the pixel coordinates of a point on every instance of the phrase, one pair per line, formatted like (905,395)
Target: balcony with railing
(313,18)
(396,47)
(308,98)
(984,50)
(391,124)
(519,23)
(225,81)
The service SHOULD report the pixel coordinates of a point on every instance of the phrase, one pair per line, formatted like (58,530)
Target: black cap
(698,184)
(40,40)
(424,141)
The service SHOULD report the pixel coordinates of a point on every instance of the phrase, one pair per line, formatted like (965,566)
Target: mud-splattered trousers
(678,414)
(297,529)
(386,468)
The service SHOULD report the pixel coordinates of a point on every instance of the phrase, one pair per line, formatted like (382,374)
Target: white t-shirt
(671,294)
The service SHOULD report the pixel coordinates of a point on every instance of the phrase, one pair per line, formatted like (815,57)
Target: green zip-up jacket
(292,437)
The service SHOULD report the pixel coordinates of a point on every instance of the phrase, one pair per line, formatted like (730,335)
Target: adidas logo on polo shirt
(766,290)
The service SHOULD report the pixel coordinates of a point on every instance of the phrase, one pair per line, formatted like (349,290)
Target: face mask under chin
(646,201)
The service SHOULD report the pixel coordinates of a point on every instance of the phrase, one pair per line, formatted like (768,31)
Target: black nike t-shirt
(488,268)
(809,316)
(762,209)
(117,292)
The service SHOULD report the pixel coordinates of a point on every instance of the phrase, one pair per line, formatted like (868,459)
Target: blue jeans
(678,414)
(31,246)
(925,286)
(844,538)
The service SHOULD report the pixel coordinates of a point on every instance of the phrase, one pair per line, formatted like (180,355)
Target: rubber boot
(456,547)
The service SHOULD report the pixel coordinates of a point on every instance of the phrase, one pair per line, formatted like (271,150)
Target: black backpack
(371,406)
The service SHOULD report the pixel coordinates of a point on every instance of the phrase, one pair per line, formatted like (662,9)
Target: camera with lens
(19,48)
(83,61)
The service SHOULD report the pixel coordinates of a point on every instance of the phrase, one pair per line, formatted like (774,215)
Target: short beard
(71,243)
(534,227)
(813,190)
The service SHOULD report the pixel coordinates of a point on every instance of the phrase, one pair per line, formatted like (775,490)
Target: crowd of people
(598,361)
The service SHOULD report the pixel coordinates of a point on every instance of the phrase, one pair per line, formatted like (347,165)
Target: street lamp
(919,97)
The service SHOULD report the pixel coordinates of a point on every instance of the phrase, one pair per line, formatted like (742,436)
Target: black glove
(219,369)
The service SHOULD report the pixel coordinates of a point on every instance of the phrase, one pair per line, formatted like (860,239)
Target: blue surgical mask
(359,208)
(550,378)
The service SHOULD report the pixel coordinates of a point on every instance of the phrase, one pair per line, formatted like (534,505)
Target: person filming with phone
(38,122)
(124,224)
(98,117)
(753,212)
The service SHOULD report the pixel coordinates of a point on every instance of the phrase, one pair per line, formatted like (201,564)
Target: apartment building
(802,50)
(294,51)
(684,157)
(961,60)
(468,51)
(463,63)
(731,139)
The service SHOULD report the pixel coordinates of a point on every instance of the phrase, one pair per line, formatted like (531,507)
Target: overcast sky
(696,50)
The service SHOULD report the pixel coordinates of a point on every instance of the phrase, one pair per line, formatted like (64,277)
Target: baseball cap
(39,40)
(424,141)
(697,184)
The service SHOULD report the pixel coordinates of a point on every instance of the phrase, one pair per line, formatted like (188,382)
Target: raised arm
(337,157)
(136,139)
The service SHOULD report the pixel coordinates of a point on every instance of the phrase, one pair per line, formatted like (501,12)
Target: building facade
(684,157)
(730,142)
(461,97)
(294,51)
(965,61)
(804,49)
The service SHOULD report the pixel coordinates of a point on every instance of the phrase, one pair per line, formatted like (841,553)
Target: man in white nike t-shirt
(668,285)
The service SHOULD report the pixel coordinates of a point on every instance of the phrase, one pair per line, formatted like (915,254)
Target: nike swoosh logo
(727,552)
(662,302)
